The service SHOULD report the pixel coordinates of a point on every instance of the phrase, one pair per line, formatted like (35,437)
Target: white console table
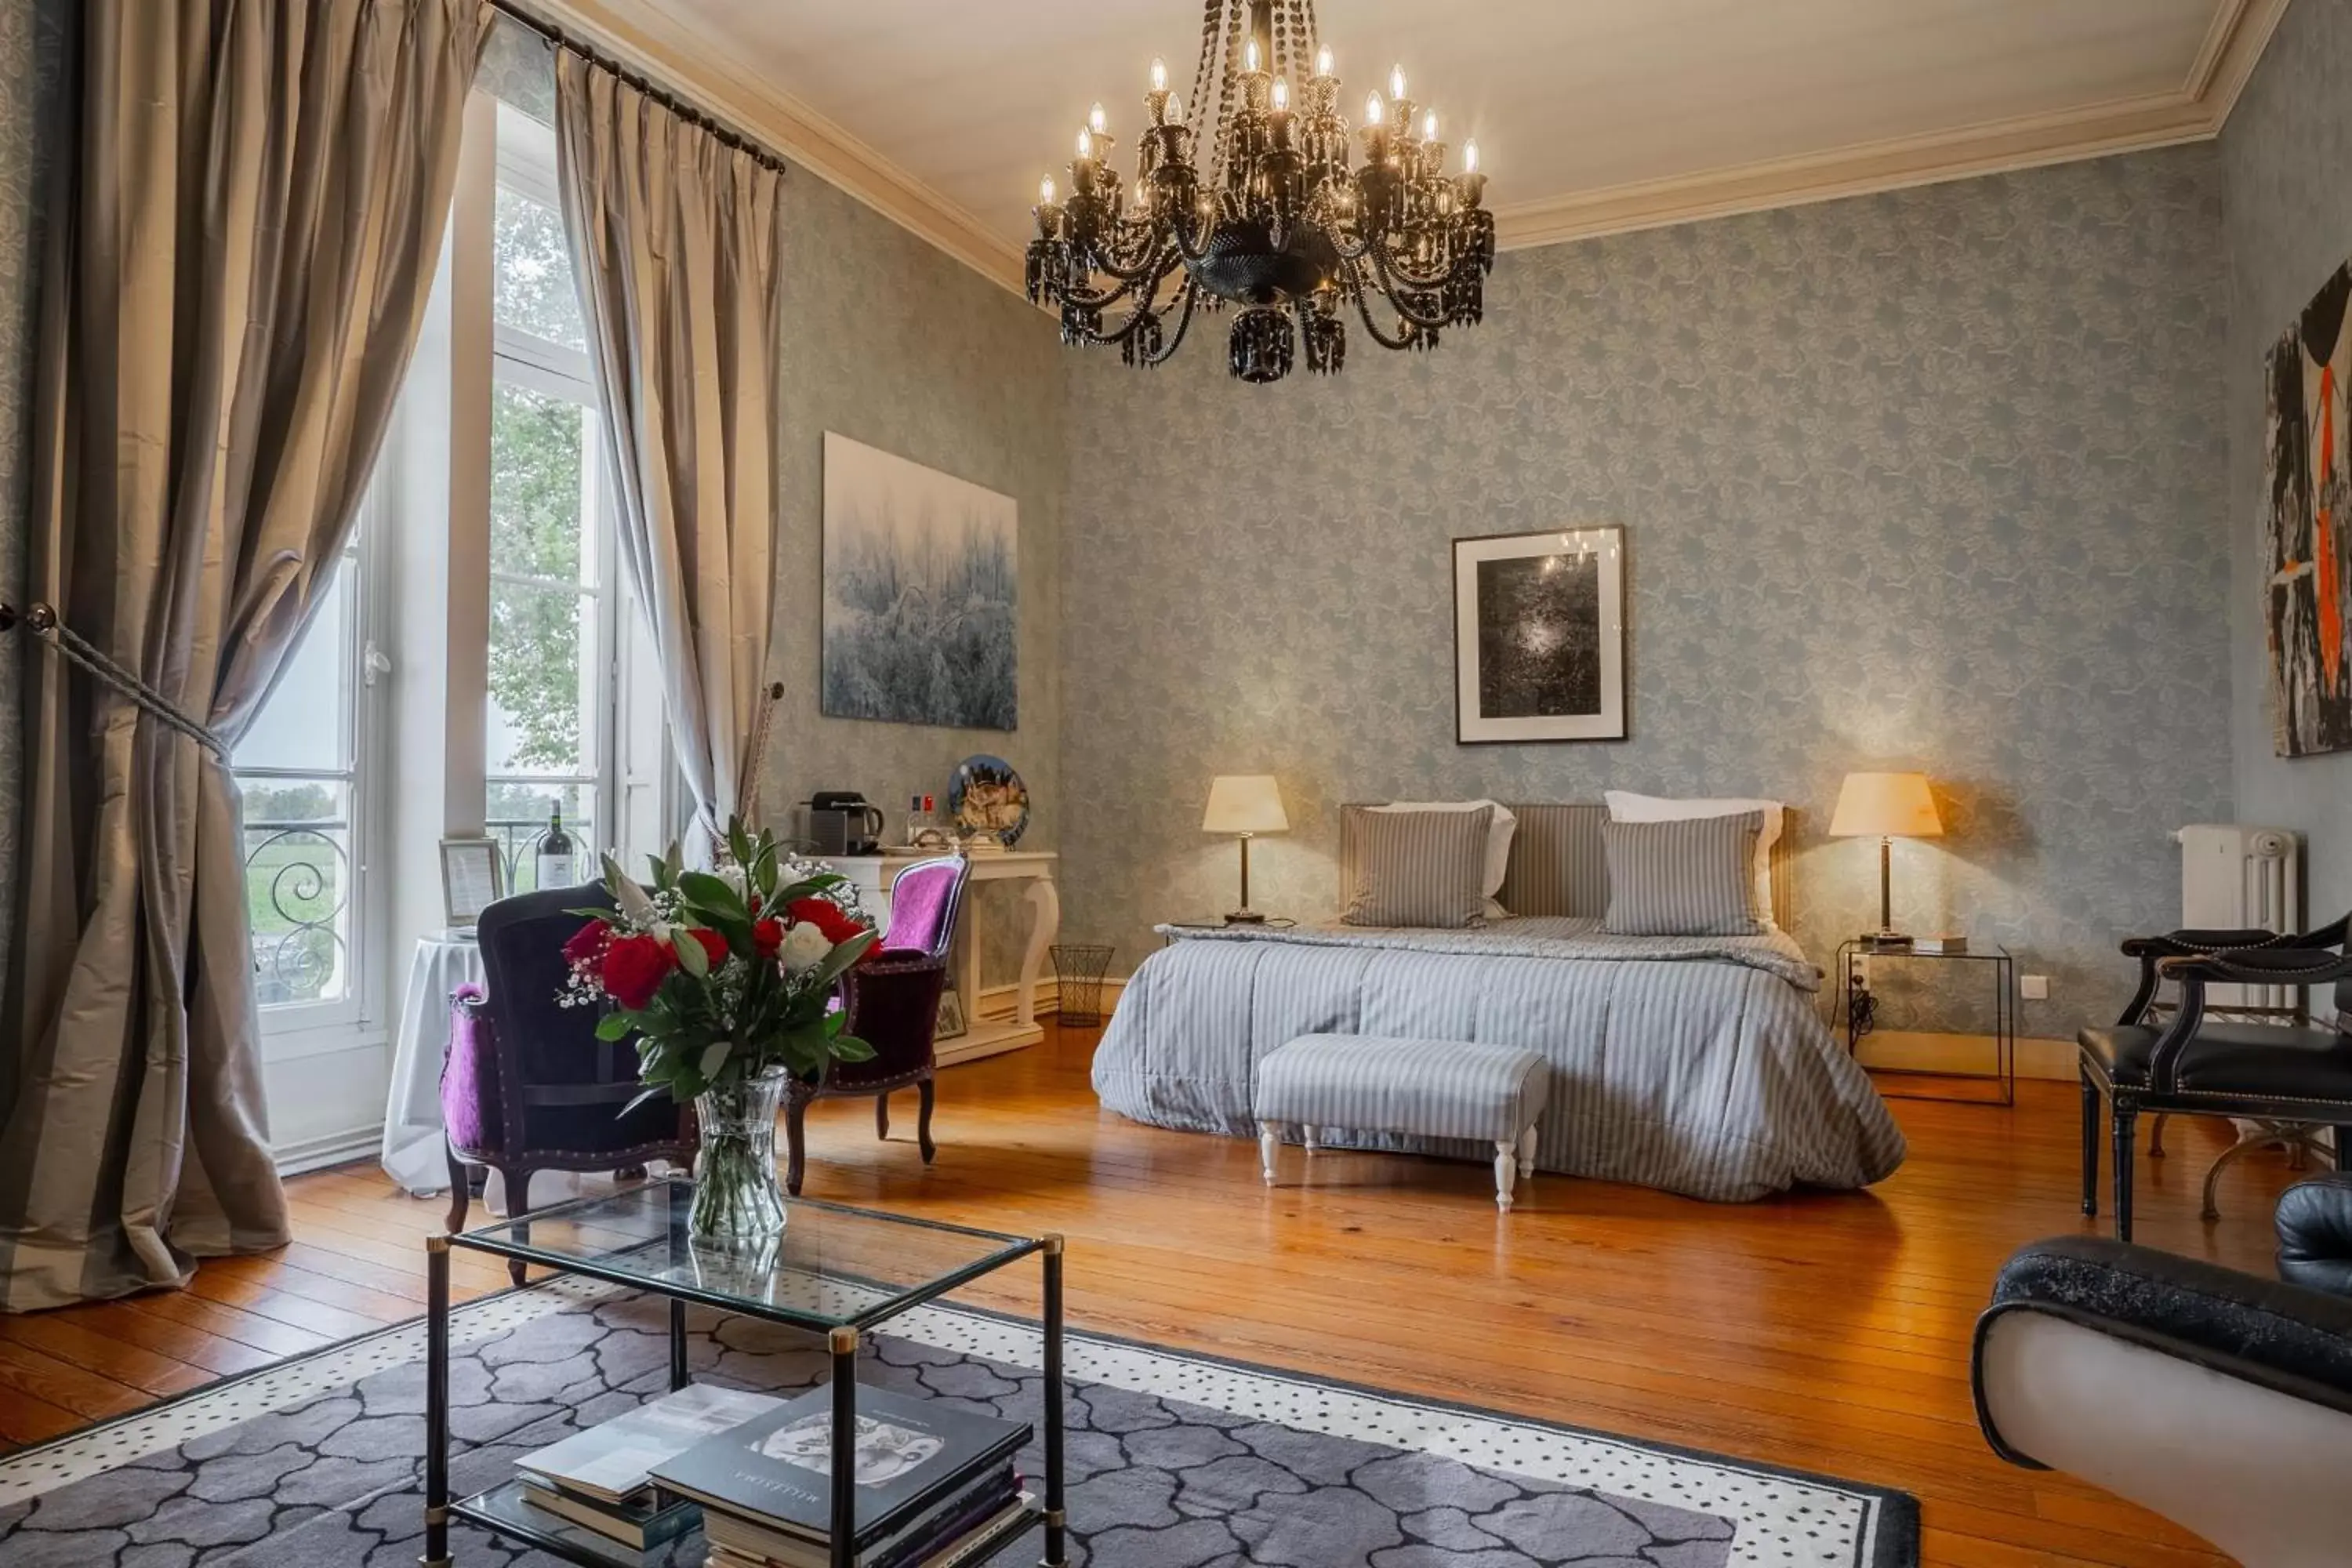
(874,874)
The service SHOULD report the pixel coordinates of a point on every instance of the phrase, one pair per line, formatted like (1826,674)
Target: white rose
(805,947)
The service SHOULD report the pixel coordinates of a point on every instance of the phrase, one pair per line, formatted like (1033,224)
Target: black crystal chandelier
(1253,201)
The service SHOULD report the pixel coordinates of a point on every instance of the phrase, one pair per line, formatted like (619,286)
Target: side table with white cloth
(415,1143)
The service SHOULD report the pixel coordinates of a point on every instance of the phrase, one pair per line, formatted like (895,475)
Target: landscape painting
(921,578)
(1539,637)
(2307,529)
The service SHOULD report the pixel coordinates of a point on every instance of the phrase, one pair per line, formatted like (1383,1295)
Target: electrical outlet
(2034,987)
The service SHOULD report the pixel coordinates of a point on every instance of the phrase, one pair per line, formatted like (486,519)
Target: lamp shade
(1886,806)
(1244,802)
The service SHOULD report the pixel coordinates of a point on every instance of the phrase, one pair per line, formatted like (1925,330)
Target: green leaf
(712,893)
(655,1092)
(738,843)
(605,915)
(615,1026)
(836,964)
(850,1048)
(690,956)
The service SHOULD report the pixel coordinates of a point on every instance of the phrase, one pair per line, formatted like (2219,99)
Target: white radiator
(2234,878)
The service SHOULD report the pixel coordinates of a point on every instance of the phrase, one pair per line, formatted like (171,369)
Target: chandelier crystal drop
(1256,201)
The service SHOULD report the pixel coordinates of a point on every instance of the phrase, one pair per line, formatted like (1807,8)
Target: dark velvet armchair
(527,1085)
(892,1003)
(2286,1075)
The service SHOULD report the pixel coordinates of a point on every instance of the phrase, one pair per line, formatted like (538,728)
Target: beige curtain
(674,240)
(259,192)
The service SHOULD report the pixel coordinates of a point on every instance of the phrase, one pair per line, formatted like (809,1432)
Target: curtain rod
(720,131)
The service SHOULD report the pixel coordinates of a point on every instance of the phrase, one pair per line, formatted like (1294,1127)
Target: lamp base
(1245,918)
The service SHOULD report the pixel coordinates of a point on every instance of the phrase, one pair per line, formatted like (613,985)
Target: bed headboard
(1556,864)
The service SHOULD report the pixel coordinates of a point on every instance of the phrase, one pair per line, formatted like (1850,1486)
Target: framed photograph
(922,577)
(473,877)
(1539,637)
(951,1019)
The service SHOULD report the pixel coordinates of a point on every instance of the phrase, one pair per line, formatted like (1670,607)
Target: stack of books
(932,1483)
(600,1479)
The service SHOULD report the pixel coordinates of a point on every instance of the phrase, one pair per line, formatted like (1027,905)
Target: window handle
(373,661)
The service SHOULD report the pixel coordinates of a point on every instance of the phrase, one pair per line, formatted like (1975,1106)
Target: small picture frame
(473,877)
(1539,637)
(951,1019)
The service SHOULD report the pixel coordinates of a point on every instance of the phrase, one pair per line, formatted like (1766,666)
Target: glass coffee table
(837,1272)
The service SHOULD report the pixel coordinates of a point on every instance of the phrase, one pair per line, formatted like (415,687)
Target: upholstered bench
(1423,1089)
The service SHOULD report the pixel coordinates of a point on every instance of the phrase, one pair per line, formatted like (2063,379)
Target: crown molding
(646,34)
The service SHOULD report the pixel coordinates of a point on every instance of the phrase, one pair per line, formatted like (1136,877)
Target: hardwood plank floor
(1828,1332)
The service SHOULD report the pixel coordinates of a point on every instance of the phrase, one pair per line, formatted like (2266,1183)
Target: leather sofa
(2218,1399)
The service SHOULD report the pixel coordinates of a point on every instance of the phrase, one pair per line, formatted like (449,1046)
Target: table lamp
(1886,807)
(1244,804)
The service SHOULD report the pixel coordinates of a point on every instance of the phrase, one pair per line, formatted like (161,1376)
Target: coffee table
(837,1272)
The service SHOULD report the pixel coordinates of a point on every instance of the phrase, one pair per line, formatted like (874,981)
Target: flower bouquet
(726,979)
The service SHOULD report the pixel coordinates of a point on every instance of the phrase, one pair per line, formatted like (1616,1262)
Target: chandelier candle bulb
(1396,83)
(1323,63)
(1159,74)
(1096,120)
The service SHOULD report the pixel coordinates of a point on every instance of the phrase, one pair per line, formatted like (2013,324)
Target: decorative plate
(986,799)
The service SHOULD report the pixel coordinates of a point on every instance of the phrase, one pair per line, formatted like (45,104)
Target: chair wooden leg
(458,1196)
(882,1114)
(923,1121)
(518,1205)
(795,1144)
(2344,1148)
(2127,1124)
(2090,1147)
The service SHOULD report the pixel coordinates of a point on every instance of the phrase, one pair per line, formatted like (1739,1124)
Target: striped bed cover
(1697,1065)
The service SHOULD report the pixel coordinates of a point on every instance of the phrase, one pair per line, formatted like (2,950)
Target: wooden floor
(1826,1332)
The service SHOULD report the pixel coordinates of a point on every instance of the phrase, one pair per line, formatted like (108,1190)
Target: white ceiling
(1592,115)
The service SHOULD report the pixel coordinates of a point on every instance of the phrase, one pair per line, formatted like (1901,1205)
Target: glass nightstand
(2003,971)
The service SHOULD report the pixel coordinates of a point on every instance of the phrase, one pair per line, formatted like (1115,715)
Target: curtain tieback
(41,621)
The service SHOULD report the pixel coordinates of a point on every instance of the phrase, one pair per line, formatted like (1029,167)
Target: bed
(1697,1065)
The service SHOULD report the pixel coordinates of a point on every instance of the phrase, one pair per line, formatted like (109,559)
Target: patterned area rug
(1175,1461)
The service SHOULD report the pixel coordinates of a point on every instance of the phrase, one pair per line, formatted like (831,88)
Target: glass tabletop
(834,1267)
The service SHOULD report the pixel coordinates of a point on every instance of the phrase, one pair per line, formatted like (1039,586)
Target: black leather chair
(2292,1074)
(2221,1400)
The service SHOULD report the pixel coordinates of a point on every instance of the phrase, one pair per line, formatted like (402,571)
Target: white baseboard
(328,1149)
(1913,1051)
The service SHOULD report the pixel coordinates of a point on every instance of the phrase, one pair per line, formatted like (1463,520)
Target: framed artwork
(1539,637)
(473,877)
(952,1018)
(2307,529)
(922,594)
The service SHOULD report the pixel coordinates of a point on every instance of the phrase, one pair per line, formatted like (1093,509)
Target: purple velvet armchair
(527,1085)
(893,1002)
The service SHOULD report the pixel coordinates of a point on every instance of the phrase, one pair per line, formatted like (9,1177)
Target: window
(553,615)
(298,768)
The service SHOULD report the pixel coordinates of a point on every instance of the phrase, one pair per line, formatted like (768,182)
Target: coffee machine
(841,822)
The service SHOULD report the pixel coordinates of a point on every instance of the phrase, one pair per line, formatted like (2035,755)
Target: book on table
(960,1550)
(600,1476)
(927,1475)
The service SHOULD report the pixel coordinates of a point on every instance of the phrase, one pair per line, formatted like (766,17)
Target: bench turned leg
(1507,1172)
(1527,1152)
(1269,1147)
(1313,1138)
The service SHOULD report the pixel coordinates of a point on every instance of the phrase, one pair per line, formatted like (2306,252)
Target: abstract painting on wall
(1539,637)
(2307,529)
(921,578)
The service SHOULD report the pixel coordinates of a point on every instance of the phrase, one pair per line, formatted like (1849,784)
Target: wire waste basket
(1078,971)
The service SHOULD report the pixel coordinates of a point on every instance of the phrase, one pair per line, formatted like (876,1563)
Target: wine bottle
(556,859)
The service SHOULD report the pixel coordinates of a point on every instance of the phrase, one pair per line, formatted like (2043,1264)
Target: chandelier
(1250,202)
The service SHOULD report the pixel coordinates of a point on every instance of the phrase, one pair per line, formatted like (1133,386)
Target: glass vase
(736,1195)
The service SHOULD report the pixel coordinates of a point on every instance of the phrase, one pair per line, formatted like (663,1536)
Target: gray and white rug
(1175,1461)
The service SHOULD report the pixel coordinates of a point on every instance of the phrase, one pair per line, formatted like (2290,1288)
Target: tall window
(298,768)
(553,615)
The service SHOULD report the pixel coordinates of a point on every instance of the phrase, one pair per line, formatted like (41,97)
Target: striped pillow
(1418,867)
(1691,878)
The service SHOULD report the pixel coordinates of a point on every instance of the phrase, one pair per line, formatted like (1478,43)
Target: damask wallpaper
(1931,480)
(2285,154)
(32,82)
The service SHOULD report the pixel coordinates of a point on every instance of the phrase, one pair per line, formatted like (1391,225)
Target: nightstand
(2001,968)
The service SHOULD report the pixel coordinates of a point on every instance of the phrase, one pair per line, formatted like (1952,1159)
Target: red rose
(827,916)
(714,946)
(635,967)
(768,936)
(586,943)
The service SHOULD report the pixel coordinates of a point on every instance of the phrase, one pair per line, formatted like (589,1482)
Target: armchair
(527,1085)
(2294,1074)
(892,1003)
(2218,1399)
